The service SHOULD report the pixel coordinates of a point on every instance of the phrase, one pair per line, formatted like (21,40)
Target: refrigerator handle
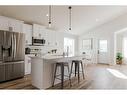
(14,46)
(2,52)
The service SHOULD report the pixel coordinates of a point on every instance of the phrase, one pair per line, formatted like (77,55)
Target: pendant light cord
(70,17)
(49,14)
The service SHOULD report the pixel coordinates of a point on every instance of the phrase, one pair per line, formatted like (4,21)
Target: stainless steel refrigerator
(12,54)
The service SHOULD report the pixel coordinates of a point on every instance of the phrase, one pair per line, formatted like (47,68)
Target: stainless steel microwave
(38,41)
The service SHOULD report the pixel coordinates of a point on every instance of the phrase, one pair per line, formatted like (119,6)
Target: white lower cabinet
(27,65)
(2,73)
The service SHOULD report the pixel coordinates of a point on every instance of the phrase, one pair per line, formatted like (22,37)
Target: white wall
(105,31)
(119,40)
(119,44)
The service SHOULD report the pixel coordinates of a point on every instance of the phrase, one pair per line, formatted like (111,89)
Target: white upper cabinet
(16,25)
(52,37)
(3,23)
(49,37)
(39,31)
(27,29)
(9,23)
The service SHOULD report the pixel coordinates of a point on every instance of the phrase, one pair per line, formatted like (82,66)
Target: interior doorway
(103,51)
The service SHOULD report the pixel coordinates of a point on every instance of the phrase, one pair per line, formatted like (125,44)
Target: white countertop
(59,57)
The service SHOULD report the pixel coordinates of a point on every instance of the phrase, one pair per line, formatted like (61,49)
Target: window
(69,46)
(87,44)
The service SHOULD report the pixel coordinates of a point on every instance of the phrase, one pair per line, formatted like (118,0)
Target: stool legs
(69,75)
(78,72)
(54,75)
(77,69)
(62,75)
(70,72)
(71,69)
(82,70)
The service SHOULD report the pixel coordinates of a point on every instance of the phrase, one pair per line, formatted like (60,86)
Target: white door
(102,51)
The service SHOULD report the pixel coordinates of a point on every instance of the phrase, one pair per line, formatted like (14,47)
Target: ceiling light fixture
(49,15)
(97,19)
(70,14)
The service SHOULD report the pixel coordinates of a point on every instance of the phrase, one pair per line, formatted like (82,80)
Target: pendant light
(70,14)
(49,19)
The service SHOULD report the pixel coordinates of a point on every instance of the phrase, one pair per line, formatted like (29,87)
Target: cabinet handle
(11,29)
(98,52)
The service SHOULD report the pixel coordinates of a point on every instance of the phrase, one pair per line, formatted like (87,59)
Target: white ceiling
(84,18)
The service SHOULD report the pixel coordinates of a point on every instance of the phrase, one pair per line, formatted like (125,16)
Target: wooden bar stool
(62,65)
(77,68)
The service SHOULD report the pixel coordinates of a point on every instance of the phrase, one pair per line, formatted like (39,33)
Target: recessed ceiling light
(97,19)
(47,15)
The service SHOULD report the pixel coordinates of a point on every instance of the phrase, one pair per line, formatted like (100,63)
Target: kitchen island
(42,69)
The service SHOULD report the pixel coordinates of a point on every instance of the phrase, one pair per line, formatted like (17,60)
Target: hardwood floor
(100,77)
(97,76)
(22,83)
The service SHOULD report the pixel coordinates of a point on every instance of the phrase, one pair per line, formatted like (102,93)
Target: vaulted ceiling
(84,18)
